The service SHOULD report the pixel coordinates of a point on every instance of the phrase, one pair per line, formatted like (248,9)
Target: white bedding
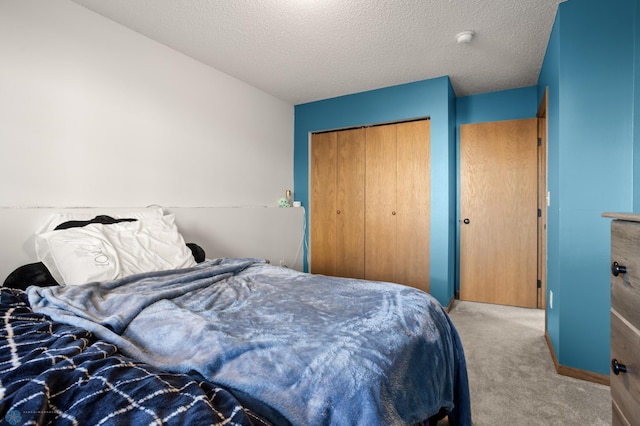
(99,252)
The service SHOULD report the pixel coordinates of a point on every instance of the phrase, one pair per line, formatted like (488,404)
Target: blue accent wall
(636,117)
(429,98)
(512,104)
(589,72)
(549,81)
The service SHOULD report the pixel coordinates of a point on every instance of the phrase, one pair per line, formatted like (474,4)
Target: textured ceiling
(307,50)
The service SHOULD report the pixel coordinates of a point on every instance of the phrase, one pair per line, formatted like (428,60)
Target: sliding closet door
(380,206)
(322,211)
(413,204)
(337,203)
(350,204)
(370,199)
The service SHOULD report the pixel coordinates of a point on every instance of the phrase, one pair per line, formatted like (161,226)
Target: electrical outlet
(550,299)
(283,263)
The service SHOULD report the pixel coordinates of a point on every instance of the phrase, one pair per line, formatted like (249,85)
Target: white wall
(94,114)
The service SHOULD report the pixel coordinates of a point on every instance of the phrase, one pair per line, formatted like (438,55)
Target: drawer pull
(617,368)
(617,269)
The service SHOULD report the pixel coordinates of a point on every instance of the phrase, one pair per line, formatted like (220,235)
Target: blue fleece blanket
(293,347)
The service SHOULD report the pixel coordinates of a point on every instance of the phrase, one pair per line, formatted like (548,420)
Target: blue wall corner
(590,77)
(548,81)
(636,111)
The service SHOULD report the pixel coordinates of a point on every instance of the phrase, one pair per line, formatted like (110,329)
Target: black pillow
(30,274)
(197,251)
(103,219)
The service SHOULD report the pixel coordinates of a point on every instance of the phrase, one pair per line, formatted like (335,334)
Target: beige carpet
(511,374)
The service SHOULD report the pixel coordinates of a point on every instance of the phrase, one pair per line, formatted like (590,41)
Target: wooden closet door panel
(323,203)
(380,188)
(350,204)
(413,204)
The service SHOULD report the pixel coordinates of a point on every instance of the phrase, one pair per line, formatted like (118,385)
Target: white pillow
(99,252)
(88,214)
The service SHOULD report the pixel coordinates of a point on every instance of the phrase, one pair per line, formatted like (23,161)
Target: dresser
(625,318)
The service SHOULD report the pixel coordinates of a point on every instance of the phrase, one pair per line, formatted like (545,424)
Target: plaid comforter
(51,373)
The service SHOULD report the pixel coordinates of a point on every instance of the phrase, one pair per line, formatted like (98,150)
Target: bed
(223,341)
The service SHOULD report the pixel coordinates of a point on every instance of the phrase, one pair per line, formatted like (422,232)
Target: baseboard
(450,305)
(576,373)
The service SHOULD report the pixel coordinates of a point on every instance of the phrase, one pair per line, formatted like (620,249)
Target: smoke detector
(465,37)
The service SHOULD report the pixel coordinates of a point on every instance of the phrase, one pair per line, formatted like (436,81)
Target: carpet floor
(512,378)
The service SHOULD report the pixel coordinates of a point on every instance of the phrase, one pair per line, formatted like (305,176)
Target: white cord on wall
(303,239)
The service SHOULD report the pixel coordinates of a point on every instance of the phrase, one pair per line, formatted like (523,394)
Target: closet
(369,203)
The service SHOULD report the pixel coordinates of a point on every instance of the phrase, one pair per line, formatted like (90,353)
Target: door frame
(543,199)
(543,202)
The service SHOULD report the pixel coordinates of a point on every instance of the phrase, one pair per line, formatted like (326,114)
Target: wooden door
(350,204)
(498,191)
(413,204)
(337,203)
(322,211)
(380,205)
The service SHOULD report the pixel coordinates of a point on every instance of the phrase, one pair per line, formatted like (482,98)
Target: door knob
(466,221)
(618,368)
(617,269)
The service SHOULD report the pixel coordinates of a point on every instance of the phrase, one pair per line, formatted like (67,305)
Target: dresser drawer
(625,387)
(625,288)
